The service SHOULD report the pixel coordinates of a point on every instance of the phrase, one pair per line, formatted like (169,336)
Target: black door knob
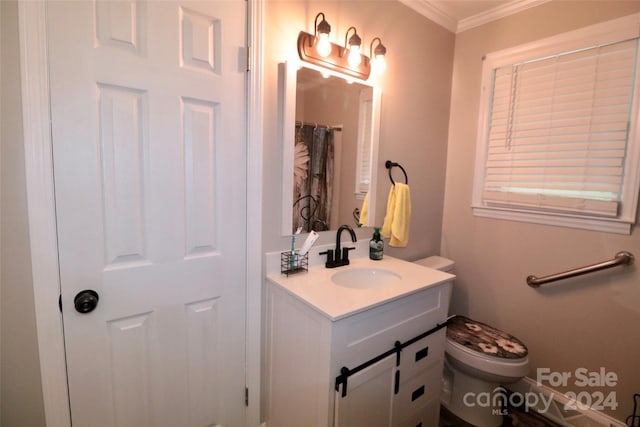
(86,301)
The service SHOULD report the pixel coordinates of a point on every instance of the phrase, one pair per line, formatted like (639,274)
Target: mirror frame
(287,111)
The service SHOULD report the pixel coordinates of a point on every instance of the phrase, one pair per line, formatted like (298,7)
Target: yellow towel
(396,221)
(364,211)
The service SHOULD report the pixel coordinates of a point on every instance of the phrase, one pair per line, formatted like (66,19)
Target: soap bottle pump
(376,245)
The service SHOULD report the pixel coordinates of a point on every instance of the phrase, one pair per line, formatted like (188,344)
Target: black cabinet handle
(417,393)
(421,354)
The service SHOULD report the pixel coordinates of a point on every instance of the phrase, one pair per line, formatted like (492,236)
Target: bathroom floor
(515,418)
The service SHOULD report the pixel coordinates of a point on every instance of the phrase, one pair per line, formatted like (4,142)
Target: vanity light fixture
(334,57)
(379,63)
(354,59)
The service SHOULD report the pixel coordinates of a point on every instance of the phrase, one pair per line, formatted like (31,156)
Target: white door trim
(42,218)
(41,213)
(254,253)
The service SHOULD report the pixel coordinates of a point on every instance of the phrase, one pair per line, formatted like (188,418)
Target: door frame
(36,116)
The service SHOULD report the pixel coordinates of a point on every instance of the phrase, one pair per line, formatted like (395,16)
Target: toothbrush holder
(291,263)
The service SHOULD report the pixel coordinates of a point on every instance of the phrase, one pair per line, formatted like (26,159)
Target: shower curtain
(313,178)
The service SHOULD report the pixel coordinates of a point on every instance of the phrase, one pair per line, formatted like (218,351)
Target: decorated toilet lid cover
(485,339)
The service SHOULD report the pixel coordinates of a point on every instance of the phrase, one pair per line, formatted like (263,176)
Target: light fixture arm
(379,50)
(353,47)
(323,27)
(354,40)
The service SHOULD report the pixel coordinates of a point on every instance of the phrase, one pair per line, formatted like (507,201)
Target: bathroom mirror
(329,130)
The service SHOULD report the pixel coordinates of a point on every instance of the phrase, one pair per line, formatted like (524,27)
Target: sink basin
(365,278)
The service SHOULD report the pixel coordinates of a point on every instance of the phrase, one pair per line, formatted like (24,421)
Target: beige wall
(414,115)
(21,392)
(589,322)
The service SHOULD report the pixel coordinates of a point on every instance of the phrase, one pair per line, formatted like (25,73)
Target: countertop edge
(280,281)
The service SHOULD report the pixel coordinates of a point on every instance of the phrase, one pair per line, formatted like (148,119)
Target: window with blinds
(557,137)
(365,138)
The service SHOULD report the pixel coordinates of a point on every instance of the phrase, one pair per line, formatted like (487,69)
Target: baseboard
(561,409)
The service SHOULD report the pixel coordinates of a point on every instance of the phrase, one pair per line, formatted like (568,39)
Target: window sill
(616,226)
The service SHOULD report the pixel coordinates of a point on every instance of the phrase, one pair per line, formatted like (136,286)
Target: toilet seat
(484,339)
(485,351)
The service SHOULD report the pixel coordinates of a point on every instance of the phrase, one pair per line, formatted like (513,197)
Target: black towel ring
(389,165)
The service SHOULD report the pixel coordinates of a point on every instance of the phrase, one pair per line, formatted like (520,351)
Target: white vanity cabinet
(306,349)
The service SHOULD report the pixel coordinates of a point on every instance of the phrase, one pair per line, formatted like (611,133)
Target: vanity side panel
(298,361)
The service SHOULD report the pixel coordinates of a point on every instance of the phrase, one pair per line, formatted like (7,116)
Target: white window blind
(558,131)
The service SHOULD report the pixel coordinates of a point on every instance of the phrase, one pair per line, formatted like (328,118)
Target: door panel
(369,399)
(149,155)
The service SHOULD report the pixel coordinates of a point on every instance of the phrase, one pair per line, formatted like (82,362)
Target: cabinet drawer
(375,331)
(422,354)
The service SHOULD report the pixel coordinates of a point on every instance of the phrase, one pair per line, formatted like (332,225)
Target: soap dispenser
(376,245)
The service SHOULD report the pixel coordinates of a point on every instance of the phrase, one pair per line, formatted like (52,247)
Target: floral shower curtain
(313,178)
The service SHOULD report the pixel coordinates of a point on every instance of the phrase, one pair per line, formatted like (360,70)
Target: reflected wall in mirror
(330,140)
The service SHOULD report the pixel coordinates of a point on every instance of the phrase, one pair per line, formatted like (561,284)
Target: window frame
(364,144)
(608,32)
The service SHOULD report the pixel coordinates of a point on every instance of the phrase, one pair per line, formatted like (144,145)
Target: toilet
(479,359)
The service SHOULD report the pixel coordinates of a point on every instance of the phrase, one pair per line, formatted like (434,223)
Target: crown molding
(442,18)
(510,8)
(437,15)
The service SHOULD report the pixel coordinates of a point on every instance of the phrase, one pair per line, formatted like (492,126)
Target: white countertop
(316,288)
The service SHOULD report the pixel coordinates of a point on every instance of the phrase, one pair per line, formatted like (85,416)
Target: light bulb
(379,64)
(324,45)
(354,56)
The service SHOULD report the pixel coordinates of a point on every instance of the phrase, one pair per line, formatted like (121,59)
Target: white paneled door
(148,102)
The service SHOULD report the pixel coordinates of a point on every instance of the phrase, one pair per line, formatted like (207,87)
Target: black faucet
(339,257)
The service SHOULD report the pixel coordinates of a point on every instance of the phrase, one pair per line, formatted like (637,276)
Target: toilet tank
(437,262)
